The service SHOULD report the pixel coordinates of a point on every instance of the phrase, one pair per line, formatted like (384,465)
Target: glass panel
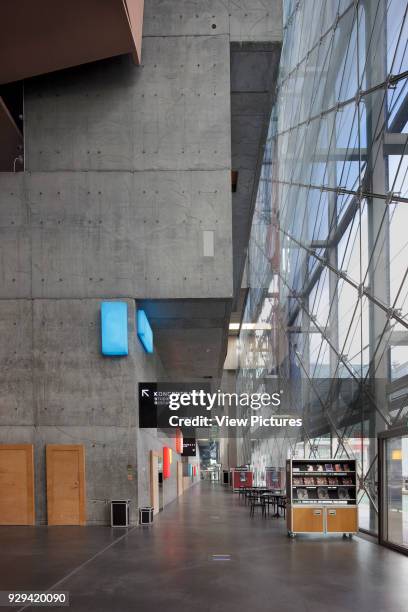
(397,36)
(396,493)
(338,243)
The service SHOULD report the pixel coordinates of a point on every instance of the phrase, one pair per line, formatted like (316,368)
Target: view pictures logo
(209,401)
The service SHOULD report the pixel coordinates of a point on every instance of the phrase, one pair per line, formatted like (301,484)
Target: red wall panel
(166,462)
(239,483)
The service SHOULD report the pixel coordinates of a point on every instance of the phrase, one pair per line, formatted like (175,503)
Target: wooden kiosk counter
(322,496)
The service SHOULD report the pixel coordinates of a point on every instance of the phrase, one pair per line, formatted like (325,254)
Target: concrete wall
(57,388)
(147,440)
(126,167)
(152,439)
(114,234)
(241,20)
(129,166)
(255,20)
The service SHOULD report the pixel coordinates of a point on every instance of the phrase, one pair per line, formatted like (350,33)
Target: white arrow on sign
(145,393)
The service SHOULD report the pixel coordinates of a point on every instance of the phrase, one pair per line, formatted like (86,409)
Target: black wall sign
(189,447)
(154,401)
(147,405)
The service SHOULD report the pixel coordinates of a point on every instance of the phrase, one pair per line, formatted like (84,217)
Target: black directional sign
(189,447)
(154,400)
(147,405)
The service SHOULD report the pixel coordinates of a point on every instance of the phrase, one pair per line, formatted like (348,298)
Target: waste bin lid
(120,501)
(146,508)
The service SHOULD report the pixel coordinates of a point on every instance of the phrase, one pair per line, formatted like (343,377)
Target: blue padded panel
(144,331)
(114,319)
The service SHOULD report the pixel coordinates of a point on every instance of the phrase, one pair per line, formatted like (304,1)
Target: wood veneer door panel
(308,520)
(65,484)
(342,520)
(154,482)
(179,478)
(17,484)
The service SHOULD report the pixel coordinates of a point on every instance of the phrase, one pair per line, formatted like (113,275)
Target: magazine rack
(322,496)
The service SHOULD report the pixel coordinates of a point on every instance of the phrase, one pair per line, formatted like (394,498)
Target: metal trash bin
(120,513)
(146,515)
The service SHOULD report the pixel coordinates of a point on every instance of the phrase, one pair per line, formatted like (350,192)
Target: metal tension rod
(391,313)
(323,405)
(344,191)
(340,357)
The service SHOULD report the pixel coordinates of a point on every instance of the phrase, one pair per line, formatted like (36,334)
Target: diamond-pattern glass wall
(328,253)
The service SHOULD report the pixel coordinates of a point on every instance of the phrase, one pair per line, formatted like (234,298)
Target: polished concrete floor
(173,566)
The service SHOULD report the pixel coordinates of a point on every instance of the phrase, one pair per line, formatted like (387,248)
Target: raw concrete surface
(57,388)
(170,565)
(126,167)
(114,234)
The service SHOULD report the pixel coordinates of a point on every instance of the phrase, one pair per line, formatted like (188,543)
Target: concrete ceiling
(190,336)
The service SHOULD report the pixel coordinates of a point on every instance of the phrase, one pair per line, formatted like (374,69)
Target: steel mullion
(304,428)
(355,308)
(344,362)
(334,297)
(392,80)
(386,326)
(324,406)
(306,135)
(364,291)
(370,497)
(400,287)
(401,117)
(326,33)
(391,197)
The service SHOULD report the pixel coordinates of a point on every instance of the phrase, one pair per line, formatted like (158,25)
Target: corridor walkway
(173,565)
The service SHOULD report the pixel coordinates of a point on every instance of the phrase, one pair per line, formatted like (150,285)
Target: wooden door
(65,484)
(17,484)
(154,481)
(179,478)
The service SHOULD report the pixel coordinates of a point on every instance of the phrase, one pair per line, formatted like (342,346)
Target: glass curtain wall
(395,493)
(327,261)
